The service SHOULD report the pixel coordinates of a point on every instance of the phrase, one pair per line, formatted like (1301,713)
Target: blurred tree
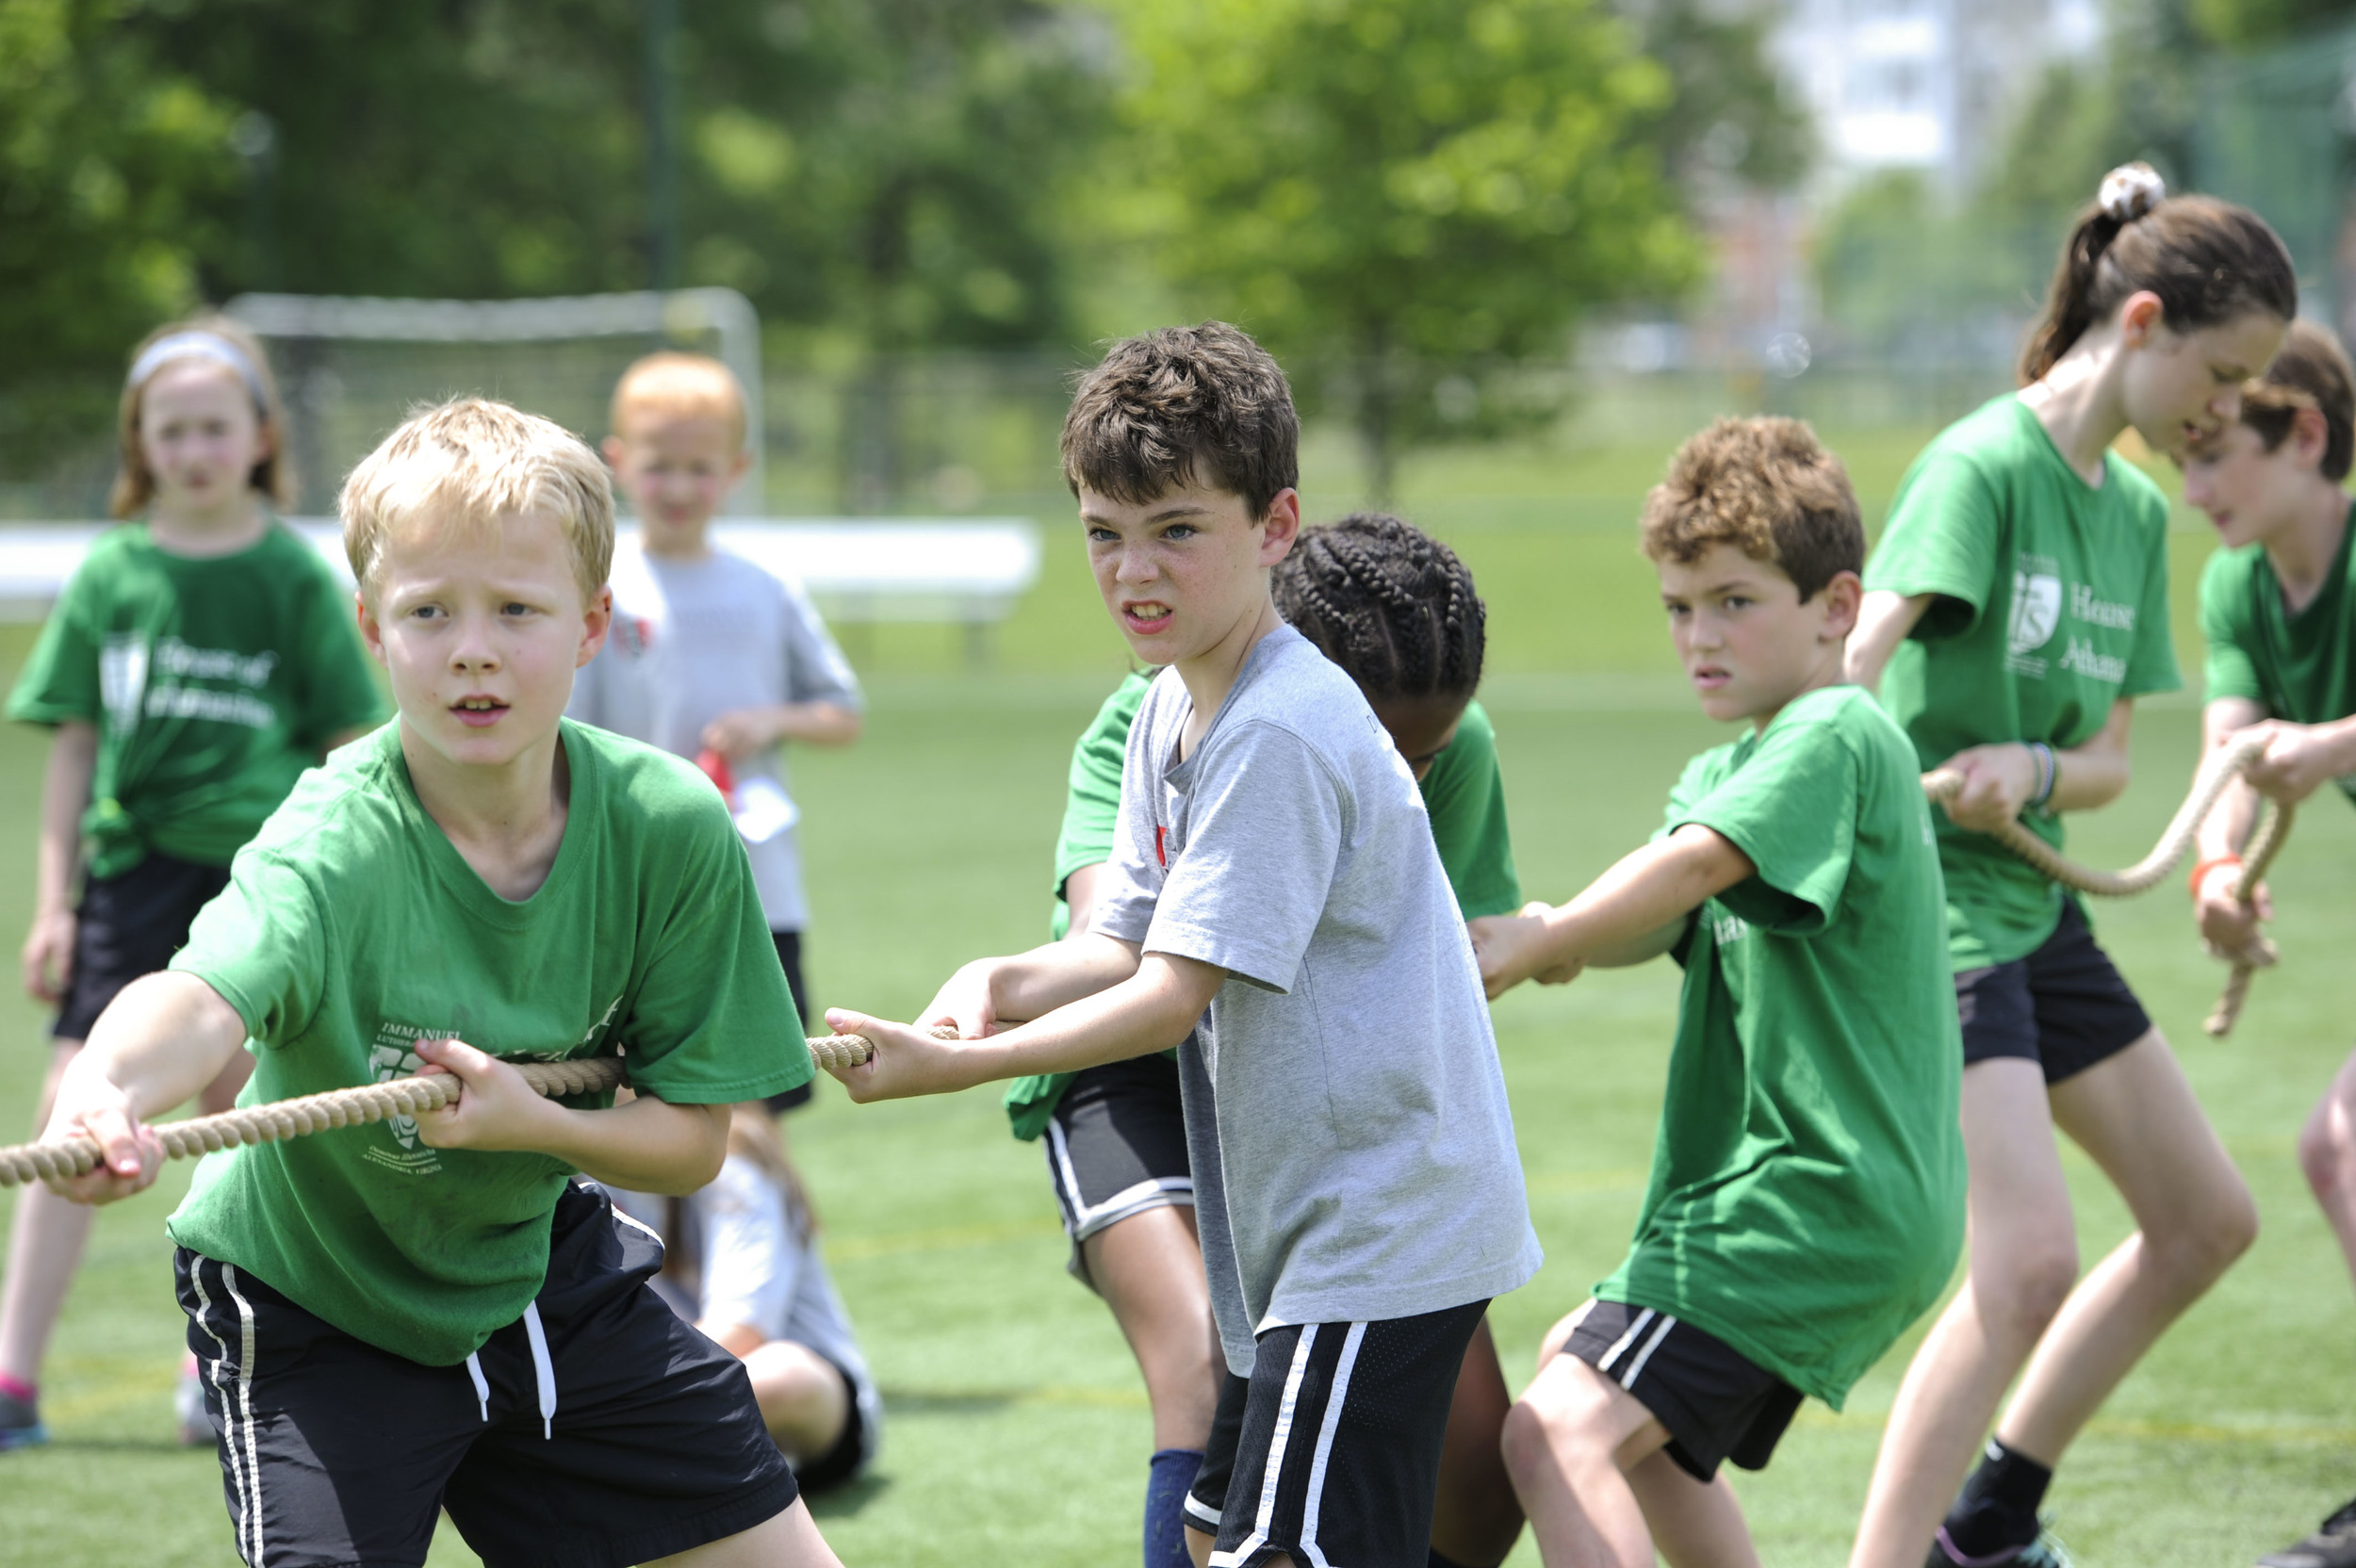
(1401,196)
(2241,23)
(112,166)
(1728,116)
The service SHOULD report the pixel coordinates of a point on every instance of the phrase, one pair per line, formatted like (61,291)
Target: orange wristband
(2202,869)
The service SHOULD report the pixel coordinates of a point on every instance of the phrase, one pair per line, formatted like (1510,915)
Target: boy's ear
(1843,597)
(2310,436)
(596,622)
(612,448)
(1282,523)
(372,634)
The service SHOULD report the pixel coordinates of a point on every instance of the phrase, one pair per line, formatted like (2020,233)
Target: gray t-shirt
(692,640)
(1347,1117)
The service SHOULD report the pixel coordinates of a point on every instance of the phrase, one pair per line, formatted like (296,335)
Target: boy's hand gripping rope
(364,1102)
(310,1112)
(2219,769)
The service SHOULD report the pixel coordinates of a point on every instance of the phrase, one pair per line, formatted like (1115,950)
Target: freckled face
(1183,572)
(480,631)
(1747,643)
(2185,388)
(200,435)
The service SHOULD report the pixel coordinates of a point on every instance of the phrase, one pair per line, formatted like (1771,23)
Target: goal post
(352,368)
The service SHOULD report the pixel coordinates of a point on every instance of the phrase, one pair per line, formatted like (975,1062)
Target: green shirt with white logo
(352,929)
(2052,605)
(1463,793)
(1806,1193)
(213,681)
(2299,667)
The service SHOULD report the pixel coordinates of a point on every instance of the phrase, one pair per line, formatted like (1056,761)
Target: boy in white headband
(202,657)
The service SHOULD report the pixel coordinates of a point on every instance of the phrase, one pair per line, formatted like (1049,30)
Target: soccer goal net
(351,369)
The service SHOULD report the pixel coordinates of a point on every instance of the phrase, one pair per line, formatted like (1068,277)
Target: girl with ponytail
(2015,607)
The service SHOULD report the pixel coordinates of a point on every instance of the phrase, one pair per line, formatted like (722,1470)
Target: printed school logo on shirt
(393,1054)
(2037,600)
(2038,607)
(134,683)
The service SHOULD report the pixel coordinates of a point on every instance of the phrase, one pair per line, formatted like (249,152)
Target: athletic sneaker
(2046,1551)
(20,1423)
(2333,1547)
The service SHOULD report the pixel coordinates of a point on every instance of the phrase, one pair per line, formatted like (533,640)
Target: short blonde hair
(1767,487)
(683,386)
(469,462)
(237,352)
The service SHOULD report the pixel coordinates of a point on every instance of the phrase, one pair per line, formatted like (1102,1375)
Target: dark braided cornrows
(1388,603)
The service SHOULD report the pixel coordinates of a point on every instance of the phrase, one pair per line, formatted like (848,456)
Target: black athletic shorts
(629,1438)
(1117,1146)
(1330,1451)
(127,926)
(2064,1006)
(1717,1404)
(789,957)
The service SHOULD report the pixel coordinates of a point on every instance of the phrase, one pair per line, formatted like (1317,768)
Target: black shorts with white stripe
(1330,1451)
(596,1431)
(1717,1404)
(1117,1146)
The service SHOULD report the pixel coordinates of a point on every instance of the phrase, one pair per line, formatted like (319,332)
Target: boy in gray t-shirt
(1276,904)
(712,657)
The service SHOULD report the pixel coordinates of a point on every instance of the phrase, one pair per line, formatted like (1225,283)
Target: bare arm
(1633,912)
(1151,1009)
(1079,896)
(748,731)
(989,993)
(1998,779)
(48,954)
(646,1144)
(1882,623)
(163,1038)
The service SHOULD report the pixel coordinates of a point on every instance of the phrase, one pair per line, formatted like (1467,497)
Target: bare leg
(2327,1152)
(2135,1115)
(45,1243)
(1569,1441)
(787,1540)
(1149,1268)
(1696,1525)
(802,1397)
(1477,1518)
(2023,1261)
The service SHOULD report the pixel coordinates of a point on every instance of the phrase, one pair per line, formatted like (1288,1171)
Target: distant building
(1930,84)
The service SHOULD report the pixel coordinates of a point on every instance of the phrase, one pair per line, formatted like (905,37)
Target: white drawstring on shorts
(543,1374)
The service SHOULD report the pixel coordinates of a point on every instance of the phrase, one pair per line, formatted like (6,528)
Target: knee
(1528,1441)
(2206,1244)
(2326,1150)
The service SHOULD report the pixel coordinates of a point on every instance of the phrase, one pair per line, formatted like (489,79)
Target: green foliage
(1389,190)
(1729,115)
(112,162)
(2239,24)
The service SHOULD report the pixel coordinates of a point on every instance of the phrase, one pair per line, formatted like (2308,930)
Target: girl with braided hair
(2018,597)
(1397,611)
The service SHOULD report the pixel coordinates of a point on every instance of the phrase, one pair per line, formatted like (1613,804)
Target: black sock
(1998,1507)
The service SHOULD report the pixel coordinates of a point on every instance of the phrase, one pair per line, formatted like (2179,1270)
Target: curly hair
(1184,405)
(1765,486)
(1387,602)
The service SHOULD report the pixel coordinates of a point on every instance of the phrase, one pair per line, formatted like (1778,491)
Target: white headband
(199,344)
(2129,191)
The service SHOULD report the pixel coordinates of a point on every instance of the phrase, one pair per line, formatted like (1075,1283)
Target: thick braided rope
(2261,953)
(846,1051)
(2220,768)
(310,1112)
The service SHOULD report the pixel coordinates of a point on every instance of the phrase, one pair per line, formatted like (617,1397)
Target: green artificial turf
(1017,1426)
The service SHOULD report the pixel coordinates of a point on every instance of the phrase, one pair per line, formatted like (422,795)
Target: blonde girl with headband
(202,657)
(2015,607)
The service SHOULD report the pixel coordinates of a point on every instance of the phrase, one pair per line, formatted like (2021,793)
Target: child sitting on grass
(414,1315)
(1807,1194)
(1274,901)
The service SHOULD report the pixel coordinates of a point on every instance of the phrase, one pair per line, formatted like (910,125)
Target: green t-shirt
(214,682)
(1806,1193)
(352,929)
(2052,605)
(2299,667)
(1464,793)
